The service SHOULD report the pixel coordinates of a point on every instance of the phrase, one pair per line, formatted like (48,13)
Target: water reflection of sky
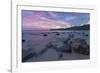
(47,20)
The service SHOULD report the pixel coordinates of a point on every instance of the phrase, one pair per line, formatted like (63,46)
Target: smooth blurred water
(36,41)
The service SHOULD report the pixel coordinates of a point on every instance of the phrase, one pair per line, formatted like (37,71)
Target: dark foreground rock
(28,54)
(80,46)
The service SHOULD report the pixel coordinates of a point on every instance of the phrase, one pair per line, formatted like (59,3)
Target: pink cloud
(44,23)
(38,20)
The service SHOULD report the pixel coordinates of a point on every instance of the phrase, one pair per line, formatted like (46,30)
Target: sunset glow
(52,20)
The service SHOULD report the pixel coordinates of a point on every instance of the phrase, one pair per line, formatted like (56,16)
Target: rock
(28,54)
(61,46)
(45,35)
(80,45)
(60,56)
(68,40)
(71,35)
(86,35)
(57,33)
(23,40)
(49,45)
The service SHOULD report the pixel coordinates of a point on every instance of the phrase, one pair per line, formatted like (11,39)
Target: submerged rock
(80,45)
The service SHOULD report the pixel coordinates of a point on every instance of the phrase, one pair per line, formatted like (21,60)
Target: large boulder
(80,45)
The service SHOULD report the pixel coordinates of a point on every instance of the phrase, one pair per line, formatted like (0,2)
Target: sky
(52,20)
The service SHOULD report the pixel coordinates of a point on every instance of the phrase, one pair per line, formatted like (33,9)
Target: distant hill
(83,27)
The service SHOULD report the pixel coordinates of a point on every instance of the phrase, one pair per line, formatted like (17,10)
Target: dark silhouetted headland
(83,27)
